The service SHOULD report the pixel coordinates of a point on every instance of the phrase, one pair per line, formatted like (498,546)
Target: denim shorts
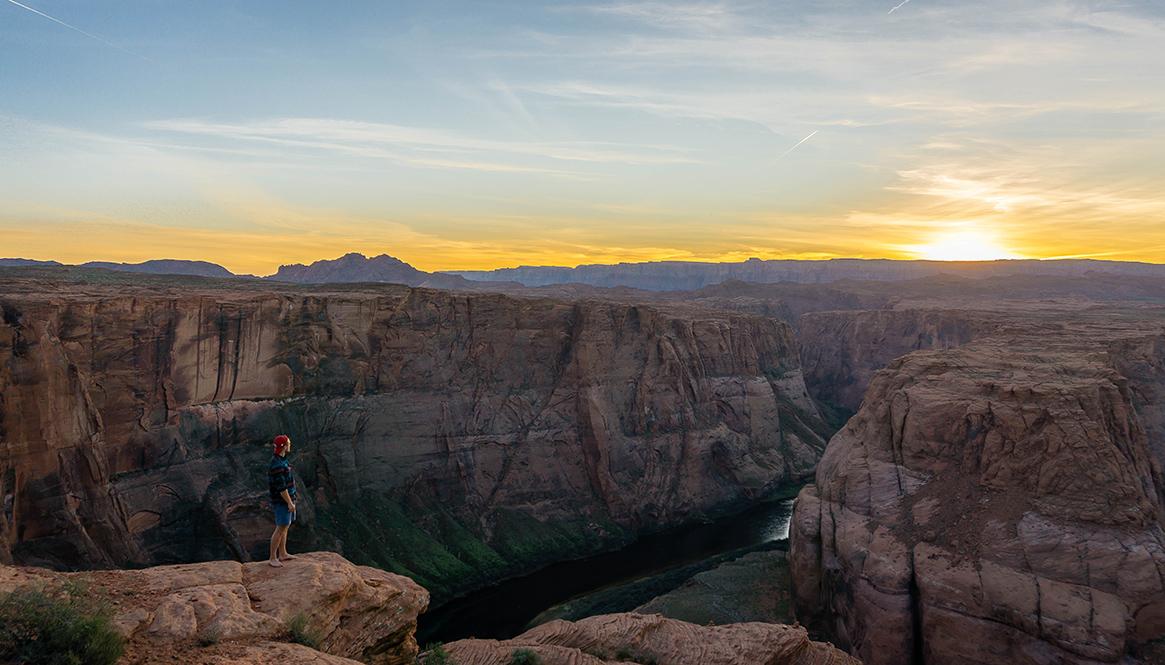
(283,517)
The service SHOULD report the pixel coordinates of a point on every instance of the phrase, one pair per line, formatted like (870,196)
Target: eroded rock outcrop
(225,611)
(640,638)
(451,437)
(993,503)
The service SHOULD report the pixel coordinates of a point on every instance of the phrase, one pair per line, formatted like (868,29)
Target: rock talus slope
(483,431)
(993,503)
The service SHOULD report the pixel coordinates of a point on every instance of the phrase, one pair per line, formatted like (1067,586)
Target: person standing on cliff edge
(281,485)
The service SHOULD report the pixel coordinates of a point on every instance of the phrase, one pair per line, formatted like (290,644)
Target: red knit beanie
(280,443)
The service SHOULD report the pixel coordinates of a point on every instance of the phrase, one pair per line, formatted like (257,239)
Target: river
(503,610)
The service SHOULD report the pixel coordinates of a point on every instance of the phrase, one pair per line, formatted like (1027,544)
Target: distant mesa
(20,263)
(166,267)
(690,275)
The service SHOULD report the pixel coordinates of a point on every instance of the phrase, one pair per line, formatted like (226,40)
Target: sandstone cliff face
(446,436)
(994,503)
(841,350)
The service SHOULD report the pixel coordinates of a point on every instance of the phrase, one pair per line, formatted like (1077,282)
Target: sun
(962,246)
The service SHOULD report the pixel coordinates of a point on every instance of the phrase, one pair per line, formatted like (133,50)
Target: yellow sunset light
(963,246)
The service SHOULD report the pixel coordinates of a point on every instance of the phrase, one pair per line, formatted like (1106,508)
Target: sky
(489,134)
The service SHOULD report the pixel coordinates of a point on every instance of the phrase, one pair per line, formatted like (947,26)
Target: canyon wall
(841,350)
(455,438)
(998,502)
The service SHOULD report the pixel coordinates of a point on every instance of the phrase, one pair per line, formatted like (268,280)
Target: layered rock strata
(644,639)
(993,503)
(447,436)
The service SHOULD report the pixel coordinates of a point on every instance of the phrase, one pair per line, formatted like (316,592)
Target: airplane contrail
(898,7)
(103,41)
(791,149)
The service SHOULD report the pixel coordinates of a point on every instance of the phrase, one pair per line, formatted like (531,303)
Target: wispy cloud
(691,15)
(370,140)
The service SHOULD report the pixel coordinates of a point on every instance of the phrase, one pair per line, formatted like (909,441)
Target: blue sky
(492,134)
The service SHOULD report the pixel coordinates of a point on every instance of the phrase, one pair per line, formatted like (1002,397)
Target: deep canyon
(996,495)
(456,438)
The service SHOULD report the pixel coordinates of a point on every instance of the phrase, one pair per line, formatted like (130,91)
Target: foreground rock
(356,612)
(644,639)
(995,503)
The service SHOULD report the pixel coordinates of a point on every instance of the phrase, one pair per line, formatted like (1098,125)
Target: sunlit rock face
(996,503)
(448,436)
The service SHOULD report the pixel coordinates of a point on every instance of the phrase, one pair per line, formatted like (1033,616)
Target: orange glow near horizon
(258,239)
(963,246)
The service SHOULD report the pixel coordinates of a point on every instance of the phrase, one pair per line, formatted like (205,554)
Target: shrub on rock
(63,625)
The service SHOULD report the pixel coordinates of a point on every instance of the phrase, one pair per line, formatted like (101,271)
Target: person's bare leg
(277,539)
(283,555)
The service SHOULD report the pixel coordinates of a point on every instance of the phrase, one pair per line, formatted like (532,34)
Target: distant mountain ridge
(653,276)
(690,275)
(355,267)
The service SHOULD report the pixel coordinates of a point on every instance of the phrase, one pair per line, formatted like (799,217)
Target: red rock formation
(133,426)
(639,638)
(994,503)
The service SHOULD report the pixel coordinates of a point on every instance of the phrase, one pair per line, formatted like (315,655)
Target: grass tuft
(434,654)
(62,625)
(302,632)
